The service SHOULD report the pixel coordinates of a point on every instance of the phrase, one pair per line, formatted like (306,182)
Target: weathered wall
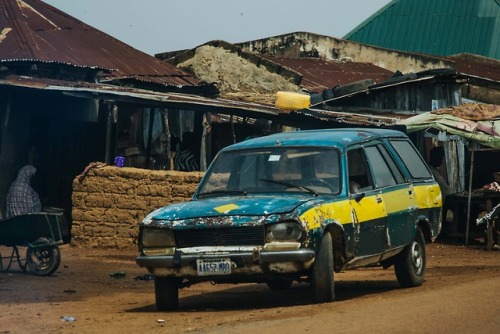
(304,44)
(110,202)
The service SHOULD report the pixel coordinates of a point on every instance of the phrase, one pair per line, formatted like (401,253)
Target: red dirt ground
(461,294)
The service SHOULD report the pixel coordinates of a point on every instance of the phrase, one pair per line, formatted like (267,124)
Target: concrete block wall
(110,202)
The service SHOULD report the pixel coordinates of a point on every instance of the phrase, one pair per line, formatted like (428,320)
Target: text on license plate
(213,267)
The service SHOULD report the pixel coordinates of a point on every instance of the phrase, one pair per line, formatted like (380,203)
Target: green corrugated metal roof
(438,27)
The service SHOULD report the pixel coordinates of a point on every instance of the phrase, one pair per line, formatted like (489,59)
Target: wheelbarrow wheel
(42,258)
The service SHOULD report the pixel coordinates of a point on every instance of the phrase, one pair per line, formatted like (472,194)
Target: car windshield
(313,170)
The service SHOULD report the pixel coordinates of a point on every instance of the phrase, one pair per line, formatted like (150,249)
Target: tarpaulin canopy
(476,122)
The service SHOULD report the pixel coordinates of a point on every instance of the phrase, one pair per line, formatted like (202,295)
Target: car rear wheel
(166,293)
(322,276)
(411,263)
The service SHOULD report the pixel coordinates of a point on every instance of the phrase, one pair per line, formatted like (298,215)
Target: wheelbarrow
(41,234)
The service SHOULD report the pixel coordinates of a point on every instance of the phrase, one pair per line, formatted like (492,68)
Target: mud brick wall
(110,202)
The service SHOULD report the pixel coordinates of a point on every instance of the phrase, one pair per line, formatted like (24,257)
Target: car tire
(43,257)
(322,276)
(166,293)
(278,284)
(353,87)
(410,265)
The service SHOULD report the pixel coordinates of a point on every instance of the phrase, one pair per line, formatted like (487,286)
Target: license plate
(213,267)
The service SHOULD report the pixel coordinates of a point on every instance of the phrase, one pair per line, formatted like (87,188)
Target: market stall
(470,134)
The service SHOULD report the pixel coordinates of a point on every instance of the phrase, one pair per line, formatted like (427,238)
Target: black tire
(328,94)
(410,265)
(166,293)
(316,99)
(322,276)
(353,87)
(43,260)
(280,283)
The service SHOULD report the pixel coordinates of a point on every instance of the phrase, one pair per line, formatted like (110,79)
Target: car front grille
(229,236)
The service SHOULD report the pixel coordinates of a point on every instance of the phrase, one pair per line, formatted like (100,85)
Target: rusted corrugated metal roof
(478,66)
(472,111)
(142,96)
(31,30)
(194,102)
(319,74)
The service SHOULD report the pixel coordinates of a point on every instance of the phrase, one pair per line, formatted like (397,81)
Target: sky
(155,26)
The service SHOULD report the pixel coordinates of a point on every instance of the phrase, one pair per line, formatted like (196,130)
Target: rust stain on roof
(479,66)
(227,107)
(120,93)
(35,31)
(472,111)
(319,74)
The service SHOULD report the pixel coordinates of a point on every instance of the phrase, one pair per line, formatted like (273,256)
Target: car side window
(386,173)
(382,174)
(359,176)
(411,158)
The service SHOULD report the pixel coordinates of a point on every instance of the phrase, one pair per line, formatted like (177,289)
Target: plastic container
(119,161)
(292,101)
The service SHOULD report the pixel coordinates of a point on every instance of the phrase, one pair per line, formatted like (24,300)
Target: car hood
(229,206)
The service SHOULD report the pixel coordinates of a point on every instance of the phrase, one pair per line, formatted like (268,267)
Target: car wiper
(291,185)
(223,191)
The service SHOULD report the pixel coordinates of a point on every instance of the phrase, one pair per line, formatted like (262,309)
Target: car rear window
(411,158)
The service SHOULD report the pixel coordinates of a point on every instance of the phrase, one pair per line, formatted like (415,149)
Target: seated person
(354,187)
(185,160)
(21,197)
(436,158)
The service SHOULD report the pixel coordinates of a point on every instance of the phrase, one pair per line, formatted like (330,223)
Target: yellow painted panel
(341,212)
(399,200)
(425,196)
(226,208)
(368,209)
(338,211)
(428,196)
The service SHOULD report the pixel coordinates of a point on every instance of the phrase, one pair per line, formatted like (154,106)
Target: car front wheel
(322,280)
(411,263)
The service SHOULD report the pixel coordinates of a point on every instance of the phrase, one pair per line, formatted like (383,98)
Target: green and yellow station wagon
(297,206)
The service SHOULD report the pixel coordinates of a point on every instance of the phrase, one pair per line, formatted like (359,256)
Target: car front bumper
(245,262)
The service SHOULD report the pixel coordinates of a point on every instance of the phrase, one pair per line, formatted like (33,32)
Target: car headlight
(154,237)
(284,231)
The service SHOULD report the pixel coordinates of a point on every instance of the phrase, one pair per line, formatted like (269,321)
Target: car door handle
(379,199)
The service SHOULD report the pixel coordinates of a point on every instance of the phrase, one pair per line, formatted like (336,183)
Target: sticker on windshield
(274,157)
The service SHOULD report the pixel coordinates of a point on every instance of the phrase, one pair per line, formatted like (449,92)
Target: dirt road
(461,294)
